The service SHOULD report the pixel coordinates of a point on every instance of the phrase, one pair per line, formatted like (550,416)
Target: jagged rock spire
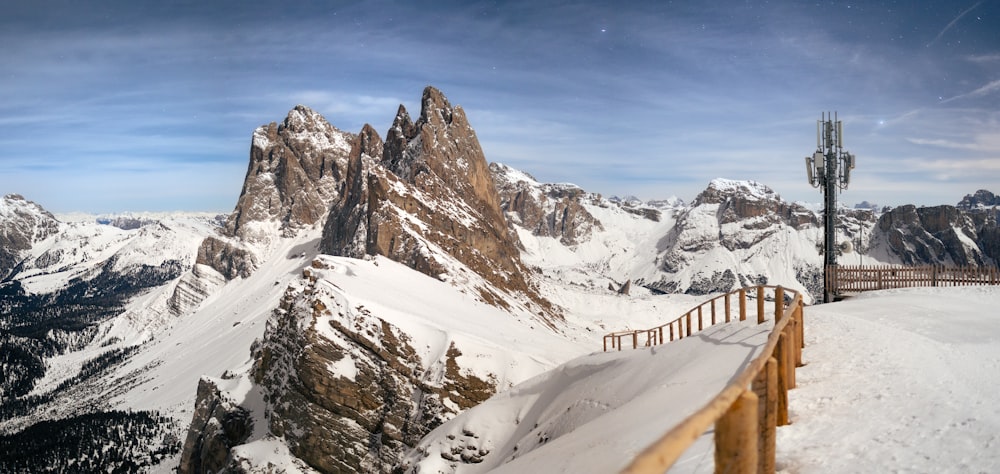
(294,172)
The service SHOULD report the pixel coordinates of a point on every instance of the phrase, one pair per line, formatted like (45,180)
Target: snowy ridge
(80,248)
(748,189)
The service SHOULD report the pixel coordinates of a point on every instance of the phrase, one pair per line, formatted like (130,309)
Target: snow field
(898,381)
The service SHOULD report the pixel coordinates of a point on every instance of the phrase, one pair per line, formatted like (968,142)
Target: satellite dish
(846,246)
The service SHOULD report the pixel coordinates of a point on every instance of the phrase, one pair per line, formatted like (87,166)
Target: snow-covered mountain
(365,291)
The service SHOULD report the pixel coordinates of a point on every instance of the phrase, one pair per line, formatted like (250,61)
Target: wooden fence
(842,279)
(746,412)
(709,313)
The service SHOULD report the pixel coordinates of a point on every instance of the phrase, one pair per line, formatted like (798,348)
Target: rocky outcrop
(745,201)
(294,175)
(727,237)
(219,259)
(982,199)
(939,235)
(194,287)
(218,425)
(346,229)
(425,197)
(22,224)
(346,389)
(228,258)
(548,210)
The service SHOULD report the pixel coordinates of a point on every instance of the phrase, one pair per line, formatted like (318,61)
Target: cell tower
(829,169)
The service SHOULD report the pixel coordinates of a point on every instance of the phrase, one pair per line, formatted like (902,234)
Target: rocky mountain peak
(981,199)
(435,108)
(400,133)
(22,223)
(550,210)
(302,119)
(426,197)
(722,189)
(740,200)
(345,232)
(941,235)
(294,172)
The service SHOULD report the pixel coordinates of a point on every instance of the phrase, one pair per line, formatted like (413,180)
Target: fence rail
(709,313)
(747,412)
(842,279)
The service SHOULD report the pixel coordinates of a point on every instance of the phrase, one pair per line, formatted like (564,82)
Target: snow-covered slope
(894,381)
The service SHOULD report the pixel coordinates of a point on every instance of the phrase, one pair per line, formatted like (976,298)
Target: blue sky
(117,106)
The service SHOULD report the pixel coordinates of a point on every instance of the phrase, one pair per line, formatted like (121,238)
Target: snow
(750,190)
(269,455)
(513,175)
(900,380)
(603,408)
(897,385)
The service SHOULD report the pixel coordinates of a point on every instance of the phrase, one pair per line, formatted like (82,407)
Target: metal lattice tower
(829,169)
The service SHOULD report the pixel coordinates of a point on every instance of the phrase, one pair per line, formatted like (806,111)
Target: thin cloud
(984,58)
(984,90)
(939,142)
(952,23)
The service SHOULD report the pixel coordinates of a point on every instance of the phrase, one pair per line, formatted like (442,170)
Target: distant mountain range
(366,290)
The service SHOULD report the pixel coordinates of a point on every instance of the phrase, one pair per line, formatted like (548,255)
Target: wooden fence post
(765,385)
(727,307)
(743,304)
(688,317)
(782,360)
(635,339)
(713,311)
(605,343)
(779,304)
(760,304)
(701,325)
(790,342)
(800,329)
(672,332)
(736,436)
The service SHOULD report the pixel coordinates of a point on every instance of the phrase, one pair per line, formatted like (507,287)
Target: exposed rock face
(380,399)
(22,224)
(346,390)
(218,425)
(426,198)
(740,201)
(194,287)
(227,258)
(981,199)
(941,235)
(716,244)
(294,174)
(549,210)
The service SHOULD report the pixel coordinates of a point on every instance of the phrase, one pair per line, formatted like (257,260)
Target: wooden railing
(704,315)
(848,279)
(746,412)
